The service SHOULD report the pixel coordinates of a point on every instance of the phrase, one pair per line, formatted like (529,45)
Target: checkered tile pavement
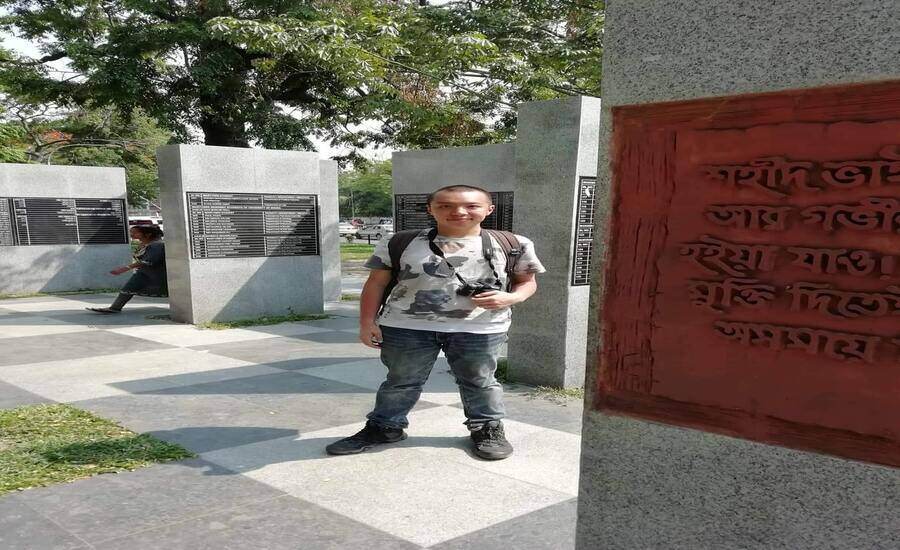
(258,406)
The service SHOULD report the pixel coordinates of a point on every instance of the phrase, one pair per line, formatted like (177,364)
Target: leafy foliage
(88,137)
(366,191)
(276,73)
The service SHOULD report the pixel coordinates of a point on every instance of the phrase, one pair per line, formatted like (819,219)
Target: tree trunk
(218,132)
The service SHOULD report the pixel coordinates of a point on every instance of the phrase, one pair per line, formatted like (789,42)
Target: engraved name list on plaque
(31,221)
(753,287)
(584,231)
(235,225)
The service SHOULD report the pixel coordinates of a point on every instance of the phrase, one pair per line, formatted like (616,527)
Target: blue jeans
(409,356)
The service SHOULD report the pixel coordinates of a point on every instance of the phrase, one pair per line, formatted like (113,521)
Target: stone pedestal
(556,168)
(27,264)
(260,273)
(737,395)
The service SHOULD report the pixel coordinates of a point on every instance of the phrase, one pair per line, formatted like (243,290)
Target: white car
(348,230)
(376,231)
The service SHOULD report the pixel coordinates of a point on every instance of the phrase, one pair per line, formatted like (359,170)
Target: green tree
(87,137)
(275,73)
(366,191)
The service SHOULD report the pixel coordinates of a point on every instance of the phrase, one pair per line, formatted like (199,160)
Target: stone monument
(61,227)
(543,186)
(743,380)
(247,230)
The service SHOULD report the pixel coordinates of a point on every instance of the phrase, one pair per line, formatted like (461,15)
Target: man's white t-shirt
(425,297)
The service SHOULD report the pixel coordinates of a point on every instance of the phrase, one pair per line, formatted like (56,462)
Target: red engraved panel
(752,284)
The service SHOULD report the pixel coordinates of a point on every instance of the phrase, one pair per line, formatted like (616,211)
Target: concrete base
(655,486)
(58,268)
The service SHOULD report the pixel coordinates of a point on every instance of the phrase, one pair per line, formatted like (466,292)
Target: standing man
(451,294)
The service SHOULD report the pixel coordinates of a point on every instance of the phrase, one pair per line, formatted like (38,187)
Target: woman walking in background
(149,278)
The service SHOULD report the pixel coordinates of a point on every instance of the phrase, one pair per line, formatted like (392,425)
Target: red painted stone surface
(752,285)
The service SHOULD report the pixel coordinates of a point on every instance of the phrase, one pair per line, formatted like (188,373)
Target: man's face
(460,209)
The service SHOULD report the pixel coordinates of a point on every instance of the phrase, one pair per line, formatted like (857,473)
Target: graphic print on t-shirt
(426,297)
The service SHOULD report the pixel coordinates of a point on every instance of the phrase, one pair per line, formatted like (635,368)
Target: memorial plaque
(410,212)
(753,281)
(7,237)
(52,221)
(235,225)
(584,231)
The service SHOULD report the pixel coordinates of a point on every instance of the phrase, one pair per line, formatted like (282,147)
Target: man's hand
(495,299)
(120,270)
(370,335)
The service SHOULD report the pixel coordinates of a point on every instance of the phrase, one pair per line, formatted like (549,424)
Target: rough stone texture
(221,289)
(329,239)
(555,145)
(49,268)
(492,167)
(651,486)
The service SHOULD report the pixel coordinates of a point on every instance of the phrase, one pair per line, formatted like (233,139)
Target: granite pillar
(720,441)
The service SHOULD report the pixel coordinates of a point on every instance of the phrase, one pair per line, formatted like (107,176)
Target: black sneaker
(490,441)
(366,438)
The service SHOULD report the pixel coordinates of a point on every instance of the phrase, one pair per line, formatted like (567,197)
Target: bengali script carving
(829,261)
(779,176)
(718,296)
(842,346)
(716,256)
(878,214)
(774,175)
(848,174)
(825,298)
(749,216)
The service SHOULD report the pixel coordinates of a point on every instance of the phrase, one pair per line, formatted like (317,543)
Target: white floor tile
(399,490)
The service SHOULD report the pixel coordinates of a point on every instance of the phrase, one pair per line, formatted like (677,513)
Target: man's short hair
(461,188)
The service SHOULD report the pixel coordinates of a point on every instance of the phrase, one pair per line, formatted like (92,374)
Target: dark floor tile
(22,528)
(310,400)
(71,345)
(551,528)
(200,423)
(315,361)
(284,523)
(279,351)
(132,315)
(13,396)
(114,505)
(331,337)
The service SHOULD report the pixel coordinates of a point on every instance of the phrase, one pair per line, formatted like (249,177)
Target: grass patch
(558,394)
(353,251)
(159,317)
(349,297)
(60,293)
(45,444)
(261,321)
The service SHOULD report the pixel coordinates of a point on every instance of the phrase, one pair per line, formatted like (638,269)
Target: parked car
(376,231)
(347,229)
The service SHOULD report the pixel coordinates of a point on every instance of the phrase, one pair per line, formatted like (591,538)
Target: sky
(324,149)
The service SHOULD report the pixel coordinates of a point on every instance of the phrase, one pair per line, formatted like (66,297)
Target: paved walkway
(258,406)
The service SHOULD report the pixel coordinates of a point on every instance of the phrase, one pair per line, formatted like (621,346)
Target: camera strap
(487,249)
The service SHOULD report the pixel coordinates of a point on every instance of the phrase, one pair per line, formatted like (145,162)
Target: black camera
(470,289)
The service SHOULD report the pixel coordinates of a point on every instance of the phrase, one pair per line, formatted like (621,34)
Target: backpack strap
(396,245)
(512,248)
